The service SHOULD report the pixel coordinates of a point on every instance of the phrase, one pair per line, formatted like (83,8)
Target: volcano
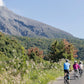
(13,24)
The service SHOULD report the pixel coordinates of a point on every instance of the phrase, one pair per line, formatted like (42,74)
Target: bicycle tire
(66,82)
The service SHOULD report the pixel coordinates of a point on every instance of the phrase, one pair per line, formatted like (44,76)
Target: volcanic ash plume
(1,3)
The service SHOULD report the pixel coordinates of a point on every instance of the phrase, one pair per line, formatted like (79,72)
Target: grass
(35,73)
(44,76)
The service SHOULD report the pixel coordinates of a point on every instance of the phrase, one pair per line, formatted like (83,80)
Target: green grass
(35,73)
(44,76)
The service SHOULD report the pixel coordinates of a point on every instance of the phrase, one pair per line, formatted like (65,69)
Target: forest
(44,44)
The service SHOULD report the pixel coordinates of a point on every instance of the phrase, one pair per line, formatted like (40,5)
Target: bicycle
(80,72)
(76,76)
(66,79)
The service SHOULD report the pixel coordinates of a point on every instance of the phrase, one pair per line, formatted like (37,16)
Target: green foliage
(45,44)
(56,51)
(16,67)
(10,47)
(79,44)
(81,53)
(70,50)
(62,49)
(12,54)
(35,54)
(41,43)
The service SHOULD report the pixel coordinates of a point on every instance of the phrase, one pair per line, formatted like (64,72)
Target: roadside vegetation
(20,65)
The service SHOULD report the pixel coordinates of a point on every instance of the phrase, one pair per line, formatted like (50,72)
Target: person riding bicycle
(76,67)
(81,67)
(66,68)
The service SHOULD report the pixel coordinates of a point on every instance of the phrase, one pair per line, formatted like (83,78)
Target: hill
(13,24)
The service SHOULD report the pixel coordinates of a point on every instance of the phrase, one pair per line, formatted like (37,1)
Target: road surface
(72,81)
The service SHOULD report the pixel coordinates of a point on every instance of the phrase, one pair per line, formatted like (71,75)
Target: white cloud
(1,3)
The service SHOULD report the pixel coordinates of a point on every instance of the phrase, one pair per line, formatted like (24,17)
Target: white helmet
(75,61)
(80,62)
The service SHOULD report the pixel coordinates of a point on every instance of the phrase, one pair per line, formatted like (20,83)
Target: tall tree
(70,50)
(56,51)
(62,49)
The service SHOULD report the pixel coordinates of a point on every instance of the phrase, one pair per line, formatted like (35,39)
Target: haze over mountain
(13,24)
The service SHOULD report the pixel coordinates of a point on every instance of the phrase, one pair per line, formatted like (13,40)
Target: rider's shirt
(81,66)
(66,66)
(76,66)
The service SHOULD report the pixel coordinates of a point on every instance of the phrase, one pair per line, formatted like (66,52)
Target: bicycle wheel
(81,73)
(68,82)
(65,81)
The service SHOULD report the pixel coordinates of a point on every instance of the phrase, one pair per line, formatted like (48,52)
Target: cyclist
(66,68)
(81,68)
(76,67)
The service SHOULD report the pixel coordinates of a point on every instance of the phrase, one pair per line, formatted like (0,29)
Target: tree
(70,50)
(62,49)
(56,51)
(35,53)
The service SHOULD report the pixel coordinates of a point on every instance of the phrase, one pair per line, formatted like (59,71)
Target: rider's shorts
(66,71)
(76,70)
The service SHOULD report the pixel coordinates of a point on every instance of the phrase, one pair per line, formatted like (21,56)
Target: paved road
(72,81)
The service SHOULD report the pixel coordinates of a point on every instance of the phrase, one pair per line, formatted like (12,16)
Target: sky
(67,15)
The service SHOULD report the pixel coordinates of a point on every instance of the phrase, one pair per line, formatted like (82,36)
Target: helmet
(75,61)
(67,60)
(80,62)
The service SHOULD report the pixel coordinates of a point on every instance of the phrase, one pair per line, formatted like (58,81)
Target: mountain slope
(13,24)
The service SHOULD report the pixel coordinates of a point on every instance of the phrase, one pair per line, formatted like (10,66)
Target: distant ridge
(13,24)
